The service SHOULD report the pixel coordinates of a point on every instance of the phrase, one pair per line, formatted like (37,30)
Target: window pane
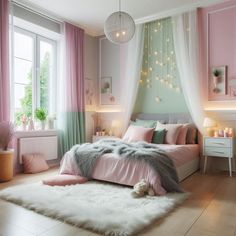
(23,101)
(23,63)
(23,71)
(23,46)
(46,61)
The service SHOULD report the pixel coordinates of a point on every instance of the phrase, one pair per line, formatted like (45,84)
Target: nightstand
(97,138)
(218,147)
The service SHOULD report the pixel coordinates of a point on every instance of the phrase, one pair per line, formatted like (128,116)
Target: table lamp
(209,123)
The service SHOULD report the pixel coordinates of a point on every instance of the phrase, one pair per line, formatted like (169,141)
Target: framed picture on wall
(106,97)
(218,80)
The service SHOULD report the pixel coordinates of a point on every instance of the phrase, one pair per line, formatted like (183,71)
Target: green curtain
(74,130)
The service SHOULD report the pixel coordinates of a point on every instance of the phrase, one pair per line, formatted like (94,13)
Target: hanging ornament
(158,99)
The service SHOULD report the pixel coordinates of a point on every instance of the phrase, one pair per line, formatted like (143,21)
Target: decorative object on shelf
(209,124)
(119,27)
(6,154)
(218,81)
(23,122)
(41,116)
(51,122)
(31,124)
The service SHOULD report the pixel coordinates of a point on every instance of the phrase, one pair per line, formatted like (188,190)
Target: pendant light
(119,27)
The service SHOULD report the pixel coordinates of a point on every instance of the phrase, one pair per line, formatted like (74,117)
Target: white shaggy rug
(105,208)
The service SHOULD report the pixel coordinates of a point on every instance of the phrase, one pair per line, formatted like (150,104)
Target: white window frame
(37,38)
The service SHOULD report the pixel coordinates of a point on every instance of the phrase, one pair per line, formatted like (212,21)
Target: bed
(110,167)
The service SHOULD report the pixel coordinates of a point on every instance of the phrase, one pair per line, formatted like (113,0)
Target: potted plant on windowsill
(6,154)
(41,116)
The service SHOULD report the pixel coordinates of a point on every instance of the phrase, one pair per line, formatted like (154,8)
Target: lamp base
(210,132)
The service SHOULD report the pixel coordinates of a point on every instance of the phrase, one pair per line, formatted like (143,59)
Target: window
(34,74)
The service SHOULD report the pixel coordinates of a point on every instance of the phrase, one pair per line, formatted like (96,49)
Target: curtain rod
(37,11)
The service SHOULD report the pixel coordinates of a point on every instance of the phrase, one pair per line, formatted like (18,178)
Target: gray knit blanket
(86,155)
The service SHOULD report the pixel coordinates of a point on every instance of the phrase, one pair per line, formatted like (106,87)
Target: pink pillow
(181,140)
(34,163)
(138,133)
(172,132)
(62,180)
(191,134)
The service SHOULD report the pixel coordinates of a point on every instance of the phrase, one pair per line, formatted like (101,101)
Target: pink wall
(218,40)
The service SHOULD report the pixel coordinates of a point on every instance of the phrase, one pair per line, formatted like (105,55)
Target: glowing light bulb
(168,58)
(161,64)
(159,24)
(117,34)
(162,80)
(157,78)
(148,80)
(158,99)
(172,52)
(155,52)
(155,30)
(150,68)
(140,81)
(171,85)
(123,33)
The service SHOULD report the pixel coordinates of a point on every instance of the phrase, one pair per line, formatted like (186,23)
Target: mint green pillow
(158,136)
(145,123)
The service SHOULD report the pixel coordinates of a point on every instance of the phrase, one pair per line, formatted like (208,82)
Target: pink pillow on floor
(62,180)
(138,133)
(34,163)
(172,132)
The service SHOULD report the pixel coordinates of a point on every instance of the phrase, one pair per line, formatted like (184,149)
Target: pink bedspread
(110,167)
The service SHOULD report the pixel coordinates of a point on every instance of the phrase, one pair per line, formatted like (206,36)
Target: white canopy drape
(185,32)
(132,61)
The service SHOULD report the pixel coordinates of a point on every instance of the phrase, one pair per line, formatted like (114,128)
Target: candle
(230,133)
(216,134)
(221,133)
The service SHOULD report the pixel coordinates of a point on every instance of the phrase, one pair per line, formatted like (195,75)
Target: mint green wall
(159,87)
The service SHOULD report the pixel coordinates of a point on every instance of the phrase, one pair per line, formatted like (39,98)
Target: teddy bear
(141,188)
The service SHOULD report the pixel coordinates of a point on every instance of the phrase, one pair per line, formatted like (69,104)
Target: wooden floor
(209,211)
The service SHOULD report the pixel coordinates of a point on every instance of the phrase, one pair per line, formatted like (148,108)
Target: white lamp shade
(115,123)
(209,122)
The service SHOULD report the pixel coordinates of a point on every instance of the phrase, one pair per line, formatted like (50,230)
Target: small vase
(42,124)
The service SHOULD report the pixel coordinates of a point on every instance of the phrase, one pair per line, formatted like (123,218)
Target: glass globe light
(119,27)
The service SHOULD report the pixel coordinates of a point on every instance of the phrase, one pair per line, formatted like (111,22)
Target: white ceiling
(91,14)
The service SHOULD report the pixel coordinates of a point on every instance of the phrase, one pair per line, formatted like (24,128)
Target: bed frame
(174,118)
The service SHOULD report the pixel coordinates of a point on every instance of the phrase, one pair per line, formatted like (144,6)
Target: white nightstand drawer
(218,142)
(217,151)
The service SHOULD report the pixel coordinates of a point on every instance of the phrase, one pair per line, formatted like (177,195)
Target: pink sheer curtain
(74,45)
(4,62)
